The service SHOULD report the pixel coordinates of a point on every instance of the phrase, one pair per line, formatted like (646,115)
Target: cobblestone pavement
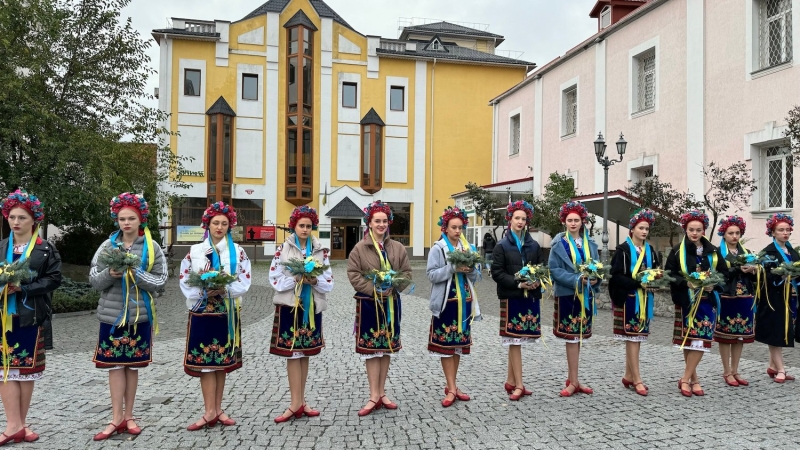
(71,403)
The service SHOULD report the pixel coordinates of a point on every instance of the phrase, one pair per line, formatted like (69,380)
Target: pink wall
(516,167)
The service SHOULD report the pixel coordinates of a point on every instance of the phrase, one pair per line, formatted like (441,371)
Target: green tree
(665,201)
(74,77)
(729,188)
(792,132)
(559,190)
(487,205)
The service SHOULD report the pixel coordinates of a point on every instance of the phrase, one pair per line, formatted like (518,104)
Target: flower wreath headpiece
(776,218)
(376,207)
(217,209)
(452,213)
(21,199)
(301,212)
(574,207)
(641,215)
(693,215)
(520,205)
(731,220)
(135,202)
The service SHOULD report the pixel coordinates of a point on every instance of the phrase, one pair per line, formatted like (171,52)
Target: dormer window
(436,45)
(605,17)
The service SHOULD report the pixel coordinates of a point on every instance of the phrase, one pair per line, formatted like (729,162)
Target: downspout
(430,163)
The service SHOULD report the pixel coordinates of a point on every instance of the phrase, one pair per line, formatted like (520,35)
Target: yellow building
(290,106)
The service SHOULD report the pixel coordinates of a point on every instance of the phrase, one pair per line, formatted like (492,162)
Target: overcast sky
(542,29)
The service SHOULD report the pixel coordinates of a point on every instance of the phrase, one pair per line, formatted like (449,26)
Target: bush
(78,245)
(74,296)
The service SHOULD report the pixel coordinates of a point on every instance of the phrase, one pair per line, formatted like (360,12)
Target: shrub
(74,296)
(78,245)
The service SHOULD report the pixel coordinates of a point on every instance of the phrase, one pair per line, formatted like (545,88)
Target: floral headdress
(520,205)
(135,202)
(376,207)
(772,222)
(452,213)
(731,220)
(304,211)
(693,215)
(217,209)
(641,215)
(573,208)
(21,199)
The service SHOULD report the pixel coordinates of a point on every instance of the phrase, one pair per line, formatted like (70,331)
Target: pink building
(687,81)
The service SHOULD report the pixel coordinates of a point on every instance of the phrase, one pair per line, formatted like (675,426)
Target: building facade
(688,82)
(290,105)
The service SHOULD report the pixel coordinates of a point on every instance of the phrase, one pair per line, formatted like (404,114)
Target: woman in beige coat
(299,303)
(378,308)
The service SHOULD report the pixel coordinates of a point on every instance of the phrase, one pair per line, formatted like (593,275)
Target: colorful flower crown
(301,212)
(693,215)
(376,207)
(771,222)
(216,209)
(641,215)
(520,205)
(731,220)
(21,199)
(452,213)
(133,201)
(574,207)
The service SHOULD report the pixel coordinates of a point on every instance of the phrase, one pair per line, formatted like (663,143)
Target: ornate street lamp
(599,152)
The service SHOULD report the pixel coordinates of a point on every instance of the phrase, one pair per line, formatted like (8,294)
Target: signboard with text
(260,233)
(190,233)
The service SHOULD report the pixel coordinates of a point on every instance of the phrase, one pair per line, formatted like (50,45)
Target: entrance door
(352,238)
(338,241)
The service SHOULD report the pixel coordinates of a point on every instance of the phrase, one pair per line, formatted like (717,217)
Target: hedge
(74,296)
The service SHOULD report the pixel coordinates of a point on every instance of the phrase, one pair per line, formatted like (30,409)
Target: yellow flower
(703,276)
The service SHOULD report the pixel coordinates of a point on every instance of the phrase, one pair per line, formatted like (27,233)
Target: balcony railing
(200,27)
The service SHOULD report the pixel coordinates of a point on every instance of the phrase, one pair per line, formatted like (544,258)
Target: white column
(538,182)
(420,126)
(599,109)
(695,132)
(272,115)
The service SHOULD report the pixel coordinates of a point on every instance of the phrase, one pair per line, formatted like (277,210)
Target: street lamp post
(600,151)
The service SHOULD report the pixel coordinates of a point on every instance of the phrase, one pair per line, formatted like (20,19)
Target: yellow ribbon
(640,291)
(697,294)
(385,266)
(298,287)
(573,252)
(5,317)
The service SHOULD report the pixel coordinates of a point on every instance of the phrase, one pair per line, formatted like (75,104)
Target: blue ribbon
(648,259)
(579,259)
(122,313)
(12,297)
(787,260)
(305,292)
(460,276)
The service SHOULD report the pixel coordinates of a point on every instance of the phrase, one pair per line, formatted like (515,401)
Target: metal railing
(200,27)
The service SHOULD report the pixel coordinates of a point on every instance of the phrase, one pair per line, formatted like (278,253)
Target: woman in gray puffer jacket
(126,308)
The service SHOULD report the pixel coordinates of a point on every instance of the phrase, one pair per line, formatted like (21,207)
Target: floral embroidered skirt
(702,325)
(628,325)
(26,349)
(444,336)
(571,321)
(126,346)
(377,324)
(305,342)
(207,346)
(773,325)
(520,318)
(735,320)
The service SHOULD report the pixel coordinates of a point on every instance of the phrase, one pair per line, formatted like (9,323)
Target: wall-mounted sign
(191,233)
(260,233)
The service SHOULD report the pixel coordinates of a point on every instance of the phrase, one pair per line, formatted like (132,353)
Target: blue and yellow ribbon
(10,300)
(644,300)
(385,266)
(460,282)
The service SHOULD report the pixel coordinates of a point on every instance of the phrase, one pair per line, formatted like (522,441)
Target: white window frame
(784,18)
(634,55)
(605,16)
(785,157)
(566,88)
(754,144)
(753,68)
(635,166)
(512,116)
(574,175)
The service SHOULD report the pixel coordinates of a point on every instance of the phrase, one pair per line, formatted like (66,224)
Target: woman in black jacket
(28,306)
(520,318)
(695,307)
(777,306)
(633,304)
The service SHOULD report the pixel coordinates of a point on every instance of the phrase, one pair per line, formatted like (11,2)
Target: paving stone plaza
(72,403)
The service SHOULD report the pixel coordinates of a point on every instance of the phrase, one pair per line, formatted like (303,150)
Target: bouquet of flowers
(654,279)
(465,258)
(752,259)
(119,260)
(211,280)
(704,279)
(791,270)
(308,267)
(15,273)
(533,273)
(386,279)
(593,270)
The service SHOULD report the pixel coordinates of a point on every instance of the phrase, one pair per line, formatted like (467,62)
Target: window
(775,32)
(514,135)
(436,45)
(570,107)
(249,212)
(191,82)
(779,179)
(644,173)
(349,95)
(400,229)
(605,17)
(249,86)
(397,98)
(371,155)
(646,81)
(220,158)
(299,125)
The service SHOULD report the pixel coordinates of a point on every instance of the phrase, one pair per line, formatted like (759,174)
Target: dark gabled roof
(300,18)
(221,107)
(185,32)
(346,208)
(449,29)
(456,53)
(372,118)
(277,6)
(443,47)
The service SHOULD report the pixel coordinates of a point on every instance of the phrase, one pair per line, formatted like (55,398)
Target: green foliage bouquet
(210,280)
(119,260)
(15,273)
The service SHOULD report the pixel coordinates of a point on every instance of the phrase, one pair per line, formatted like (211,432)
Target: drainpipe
(430,183)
